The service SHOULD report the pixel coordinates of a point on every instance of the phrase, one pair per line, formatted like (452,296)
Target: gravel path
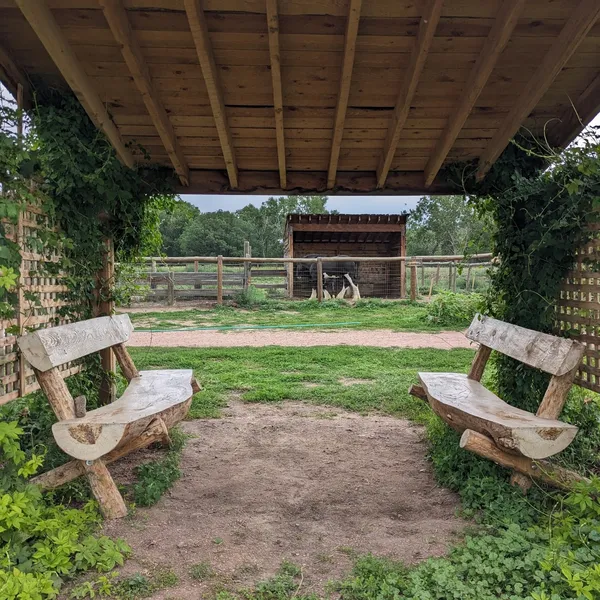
(383,338)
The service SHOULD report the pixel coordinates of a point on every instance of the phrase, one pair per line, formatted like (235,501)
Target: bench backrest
(549,353)
(55,346)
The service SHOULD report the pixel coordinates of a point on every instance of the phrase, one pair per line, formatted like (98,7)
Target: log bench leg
(526,467)
(155,432)
(105,490)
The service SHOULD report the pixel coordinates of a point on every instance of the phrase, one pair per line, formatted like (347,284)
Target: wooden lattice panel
(16,376)
(578,309)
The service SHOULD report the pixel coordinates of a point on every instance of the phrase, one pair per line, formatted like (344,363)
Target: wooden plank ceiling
(343,96)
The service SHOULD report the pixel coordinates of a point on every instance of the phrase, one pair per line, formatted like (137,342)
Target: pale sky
(344,204)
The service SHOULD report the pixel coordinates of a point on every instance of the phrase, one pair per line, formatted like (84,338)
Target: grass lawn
(354,378)
(366,314)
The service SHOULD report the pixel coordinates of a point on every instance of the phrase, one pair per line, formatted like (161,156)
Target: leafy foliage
(41,544)
(447,225)
(449,309)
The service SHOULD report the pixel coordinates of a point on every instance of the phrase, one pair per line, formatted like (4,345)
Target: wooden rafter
(582,19)
(504,24)
(427,27)
(344,93)
(44,24)
(275,58)
(118,21)
(199,29)
(13,77)
(573,122)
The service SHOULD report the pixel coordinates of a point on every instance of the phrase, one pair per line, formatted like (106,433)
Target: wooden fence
(170,279)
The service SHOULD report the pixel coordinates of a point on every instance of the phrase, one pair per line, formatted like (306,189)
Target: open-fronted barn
(344,96)
(372,236)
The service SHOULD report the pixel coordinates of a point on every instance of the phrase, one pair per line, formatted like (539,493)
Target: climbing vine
(541,202)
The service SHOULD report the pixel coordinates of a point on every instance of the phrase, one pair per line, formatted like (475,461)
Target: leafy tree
(172,224)
(213,233)
(447,225)
(268,220)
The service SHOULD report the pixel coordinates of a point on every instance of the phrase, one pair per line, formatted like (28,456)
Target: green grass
(273,374)
(399,315)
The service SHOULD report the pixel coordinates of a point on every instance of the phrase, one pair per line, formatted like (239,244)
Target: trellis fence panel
(16,376)
(578,309)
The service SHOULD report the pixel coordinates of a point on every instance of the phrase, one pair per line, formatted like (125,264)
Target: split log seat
(492,428)
(467,404)
(153,402)
(163,394)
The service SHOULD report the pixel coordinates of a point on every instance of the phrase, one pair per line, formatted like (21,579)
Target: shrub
(251,297)
(453,310)
(40,545)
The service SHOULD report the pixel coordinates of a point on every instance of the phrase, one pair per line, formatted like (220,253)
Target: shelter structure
(309,96)
(372,236)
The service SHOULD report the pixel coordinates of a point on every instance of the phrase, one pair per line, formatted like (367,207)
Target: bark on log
(542,470)
(125,362)
(105,490)
(479,363)
(418,392)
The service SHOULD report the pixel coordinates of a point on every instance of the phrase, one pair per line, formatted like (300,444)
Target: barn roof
(343,96)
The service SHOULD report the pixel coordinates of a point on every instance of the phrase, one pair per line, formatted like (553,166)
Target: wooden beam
(275,61)
(574,120)
(12,76)
(427,27)
(199,29)
(344,93)
(42,21)
(311,182)
(118,21)
(582,19)
(495,42)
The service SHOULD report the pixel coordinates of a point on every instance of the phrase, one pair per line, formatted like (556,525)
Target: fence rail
(174,278)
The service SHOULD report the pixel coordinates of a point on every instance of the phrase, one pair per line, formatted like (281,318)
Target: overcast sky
(344,204)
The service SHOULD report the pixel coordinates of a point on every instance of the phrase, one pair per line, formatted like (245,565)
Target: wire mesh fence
(169,280)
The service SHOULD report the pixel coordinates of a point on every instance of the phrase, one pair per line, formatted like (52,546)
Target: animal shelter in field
(369,236)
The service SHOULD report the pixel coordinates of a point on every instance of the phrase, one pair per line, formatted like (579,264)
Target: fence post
(468,279)
(246,264)
(170,288)
(453,272)
(320,279)
(437,275)
(220,279)
(423,275)
(413,281)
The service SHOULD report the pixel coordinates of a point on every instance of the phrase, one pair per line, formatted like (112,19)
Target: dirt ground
(290,481)
(382,338)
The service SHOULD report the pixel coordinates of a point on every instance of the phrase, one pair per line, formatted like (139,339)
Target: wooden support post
(468,278)
(152,270)
(413,281)
(106,307)
(437,275)
(246,264)
(479,363)
(170,288)
(320,279)
(403,263)
(527,468)
(453,269)
(422,276)
(197,284)
(290,266)
(127,366)
(219,279)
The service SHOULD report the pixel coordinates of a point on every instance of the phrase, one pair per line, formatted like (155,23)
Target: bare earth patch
(262,485)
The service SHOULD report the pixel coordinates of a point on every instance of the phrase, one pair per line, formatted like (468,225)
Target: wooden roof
(343,96)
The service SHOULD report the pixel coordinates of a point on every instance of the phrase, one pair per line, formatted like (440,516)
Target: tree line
(438,225)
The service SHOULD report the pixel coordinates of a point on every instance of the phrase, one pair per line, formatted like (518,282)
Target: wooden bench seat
(466,404)
(164,394)
(492,428)
(153,402)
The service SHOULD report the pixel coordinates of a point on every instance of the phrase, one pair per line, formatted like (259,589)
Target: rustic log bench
(496,430)
(153,402)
